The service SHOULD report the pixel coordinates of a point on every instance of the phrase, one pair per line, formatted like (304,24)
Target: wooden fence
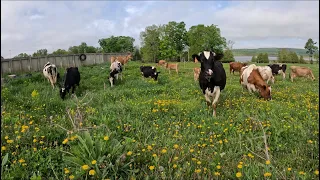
(35,64)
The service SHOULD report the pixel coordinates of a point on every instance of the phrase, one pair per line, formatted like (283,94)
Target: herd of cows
(211,75)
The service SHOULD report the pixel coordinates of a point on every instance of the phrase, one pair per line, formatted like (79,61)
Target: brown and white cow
(236,66)
(162,62)
(299,71)
(253,81)
(196,72)
(266,73)
(172,66)
(50,72)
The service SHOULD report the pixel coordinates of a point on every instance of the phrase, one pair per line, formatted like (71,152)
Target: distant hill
(270,51)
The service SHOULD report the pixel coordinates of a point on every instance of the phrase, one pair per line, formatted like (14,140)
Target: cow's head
(155,75)
(63,92)
(265,92)
(207,58)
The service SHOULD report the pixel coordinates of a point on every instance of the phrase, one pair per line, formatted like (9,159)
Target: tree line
(173,42)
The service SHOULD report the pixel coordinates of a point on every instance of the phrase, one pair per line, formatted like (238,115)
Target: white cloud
(30,25)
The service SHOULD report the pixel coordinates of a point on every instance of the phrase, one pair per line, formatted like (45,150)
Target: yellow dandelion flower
(71,177)
(6,137)
(267,162)
(176,146)
(289,169)
(239,175)
(92,172)
(85,167)
(174,166)
(267,174)
(143,150)
(149,147)
(175,158)
(197,171)
(65,141)
(316,172)
(154,155)
(302,173)
(34,140)
(94,162)
(239,166)
(22,161)
(163,151)
(106,138)
(218,167)
(129,153)
(9,141)
(34,93)
(191,150)
(3,148)
(199,162)
(216,173)
(66,171)
(151,168)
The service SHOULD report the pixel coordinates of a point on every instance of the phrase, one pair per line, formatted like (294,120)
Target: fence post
(10,65)
(94,61)
(20,64)
(60,61)
(30,64)
(74,63)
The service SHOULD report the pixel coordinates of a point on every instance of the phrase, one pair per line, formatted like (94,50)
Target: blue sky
(30,25)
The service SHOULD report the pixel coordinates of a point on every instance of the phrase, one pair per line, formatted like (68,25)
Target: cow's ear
(264,87)
(218,56)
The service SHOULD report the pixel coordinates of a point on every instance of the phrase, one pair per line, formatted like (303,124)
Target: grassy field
(142,129)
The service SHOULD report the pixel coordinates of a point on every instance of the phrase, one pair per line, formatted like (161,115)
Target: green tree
(301,60)
(40,52)
(21,55)
(311,48)
(117,44)
(136,54)
(293,57)
(253,59)
(316,57)
(228,56)
(60,52)
(173,40)
(73,50)
(150,42)
(203,37)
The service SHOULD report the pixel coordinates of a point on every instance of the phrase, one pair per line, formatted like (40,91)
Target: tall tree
(202,37)
(59,52)
(73,50)
(40,52)
(311,48)
(173,40)
(228,56)
(230,44)
(22,55)
(150,42)
(117,44)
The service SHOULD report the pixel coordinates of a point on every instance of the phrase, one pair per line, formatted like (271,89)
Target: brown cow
(236,66)
(196,72)
(299,71)
(172,66)
(112,59)
(162,62)
(124,59)
(253,81)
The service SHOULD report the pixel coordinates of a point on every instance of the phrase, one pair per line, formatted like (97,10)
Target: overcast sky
(30,25)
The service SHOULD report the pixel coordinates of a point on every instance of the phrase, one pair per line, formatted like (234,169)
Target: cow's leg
(292,76)
(73,88)
(249,88)
(51,81)
(207,96)
(216,92)
(283,75)
(121,76)
(272,79)
(111,81)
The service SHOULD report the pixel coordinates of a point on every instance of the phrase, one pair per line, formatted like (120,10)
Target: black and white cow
(212,78)
(71,79)
(115,71)
(50,72)
(149,71)
(278,69)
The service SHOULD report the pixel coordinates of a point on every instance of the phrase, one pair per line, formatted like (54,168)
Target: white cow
(50,72)
(266,73)
(115,71)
